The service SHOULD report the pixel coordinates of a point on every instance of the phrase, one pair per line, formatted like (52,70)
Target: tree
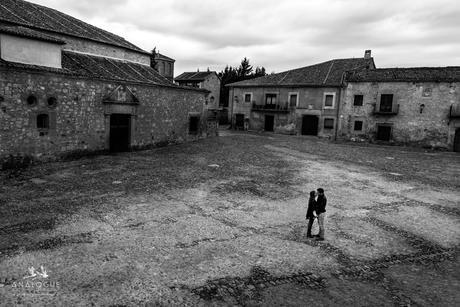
(153,61)
(234,74)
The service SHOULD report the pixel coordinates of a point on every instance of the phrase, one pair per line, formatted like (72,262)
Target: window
(32,100)
(328,123)
(43,121)
(293,99)
(52,102)
(358,125)
(386,102)
(193,124)
(270,99)
(247,97)
(329,100)
(427,91)
(358,101)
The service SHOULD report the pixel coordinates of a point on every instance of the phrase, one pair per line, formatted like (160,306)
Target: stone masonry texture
(310,102)
(81,121)
(428,125)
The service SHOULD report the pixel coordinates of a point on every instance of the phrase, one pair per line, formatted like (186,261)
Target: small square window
(328,123)
(247,97)
(358,101)
(358,125)
(329,101)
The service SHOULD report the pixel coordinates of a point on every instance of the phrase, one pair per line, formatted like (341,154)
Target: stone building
(419,106)
(299,101)
(208,80)
(165,66)
(67,86)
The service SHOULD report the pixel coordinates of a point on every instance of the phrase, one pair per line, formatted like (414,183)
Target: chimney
(367,54)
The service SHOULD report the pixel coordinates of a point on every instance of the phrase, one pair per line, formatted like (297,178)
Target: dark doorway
(269,122)
(383,133)
(310,125)
(457,140)
(120,128)
(239,121)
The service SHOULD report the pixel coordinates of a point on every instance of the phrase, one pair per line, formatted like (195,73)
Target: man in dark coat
(311,215)
(321,212)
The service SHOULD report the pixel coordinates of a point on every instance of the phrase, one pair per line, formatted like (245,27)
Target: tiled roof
(88,66)
(26,32)
(323,74)
(414,74)
(194,76)
(43,18)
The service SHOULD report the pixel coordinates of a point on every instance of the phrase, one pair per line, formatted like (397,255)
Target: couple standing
(316,209)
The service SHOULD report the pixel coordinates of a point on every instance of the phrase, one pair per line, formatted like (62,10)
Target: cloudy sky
(280,35)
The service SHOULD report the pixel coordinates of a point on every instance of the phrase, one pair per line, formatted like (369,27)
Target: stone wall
(310,102)
(81,121)
(427,125)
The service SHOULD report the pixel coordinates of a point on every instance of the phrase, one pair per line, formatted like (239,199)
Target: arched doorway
(457,140)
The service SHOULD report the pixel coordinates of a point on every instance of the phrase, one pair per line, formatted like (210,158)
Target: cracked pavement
(222,222)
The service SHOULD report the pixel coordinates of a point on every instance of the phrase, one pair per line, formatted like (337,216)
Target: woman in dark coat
(311,214)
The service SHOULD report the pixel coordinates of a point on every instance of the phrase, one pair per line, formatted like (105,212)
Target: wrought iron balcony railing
(384,110)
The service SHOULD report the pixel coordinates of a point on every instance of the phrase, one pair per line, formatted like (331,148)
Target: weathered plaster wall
(29,51)
(82,120)
(97,48)
(431,127)
(310,102)
(212,84)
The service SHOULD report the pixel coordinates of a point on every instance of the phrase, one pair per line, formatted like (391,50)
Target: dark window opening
(52,102)
(329,101)
(358,126)
(293,100)
(270,99)
(193,125)
(386,103)
(31,100)
(43,121)
(358,101)
(328,123)
(2,99)
(247,97)
(383,132)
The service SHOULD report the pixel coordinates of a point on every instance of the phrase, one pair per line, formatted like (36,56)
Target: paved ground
(221,222)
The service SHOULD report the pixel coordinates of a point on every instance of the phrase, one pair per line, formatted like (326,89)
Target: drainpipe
(232,107)
(338,107)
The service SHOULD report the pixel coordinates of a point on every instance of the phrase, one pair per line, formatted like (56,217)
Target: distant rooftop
(196,76)
(413,74)
(328,73)
(29,33)
(31,15)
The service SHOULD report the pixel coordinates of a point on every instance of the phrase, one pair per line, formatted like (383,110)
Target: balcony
(386,110)
(270,108)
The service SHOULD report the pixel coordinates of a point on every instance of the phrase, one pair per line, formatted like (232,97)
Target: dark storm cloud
(281,34)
